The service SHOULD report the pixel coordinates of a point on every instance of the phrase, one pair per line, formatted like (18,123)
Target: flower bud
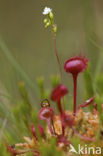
(45,20)
(47,24)
(51,16)
(55,28)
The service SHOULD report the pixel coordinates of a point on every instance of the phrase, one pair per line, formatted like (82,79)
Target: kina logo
(85,150)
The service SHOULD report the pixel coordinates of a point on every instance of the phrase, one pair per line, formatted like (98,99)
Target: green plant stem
(57,56)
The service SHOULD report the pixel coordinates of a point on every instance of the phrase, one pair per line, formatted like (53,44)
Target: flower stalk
(75,93)
(49,22)
(75,65)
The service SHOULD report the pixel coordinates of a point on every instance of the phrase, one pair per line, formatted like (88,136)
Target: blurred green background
(80,24)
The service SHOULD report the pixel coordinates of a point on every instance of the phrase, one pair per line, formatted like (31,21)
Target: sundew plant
(56,130)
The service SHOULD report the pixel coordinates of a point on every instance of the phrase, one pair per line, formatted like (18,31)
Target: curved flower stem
(75,92)
(63,128)
(50,127)
(61,115)
(60,107)
(53,126)
(58,60)
(87,103)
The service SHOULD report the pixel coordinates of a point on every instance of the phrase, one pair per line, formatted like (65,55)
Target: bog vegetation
(52,129)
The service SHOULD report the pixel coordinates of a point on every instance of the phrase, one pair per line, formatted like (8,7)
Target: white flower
(47,11)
